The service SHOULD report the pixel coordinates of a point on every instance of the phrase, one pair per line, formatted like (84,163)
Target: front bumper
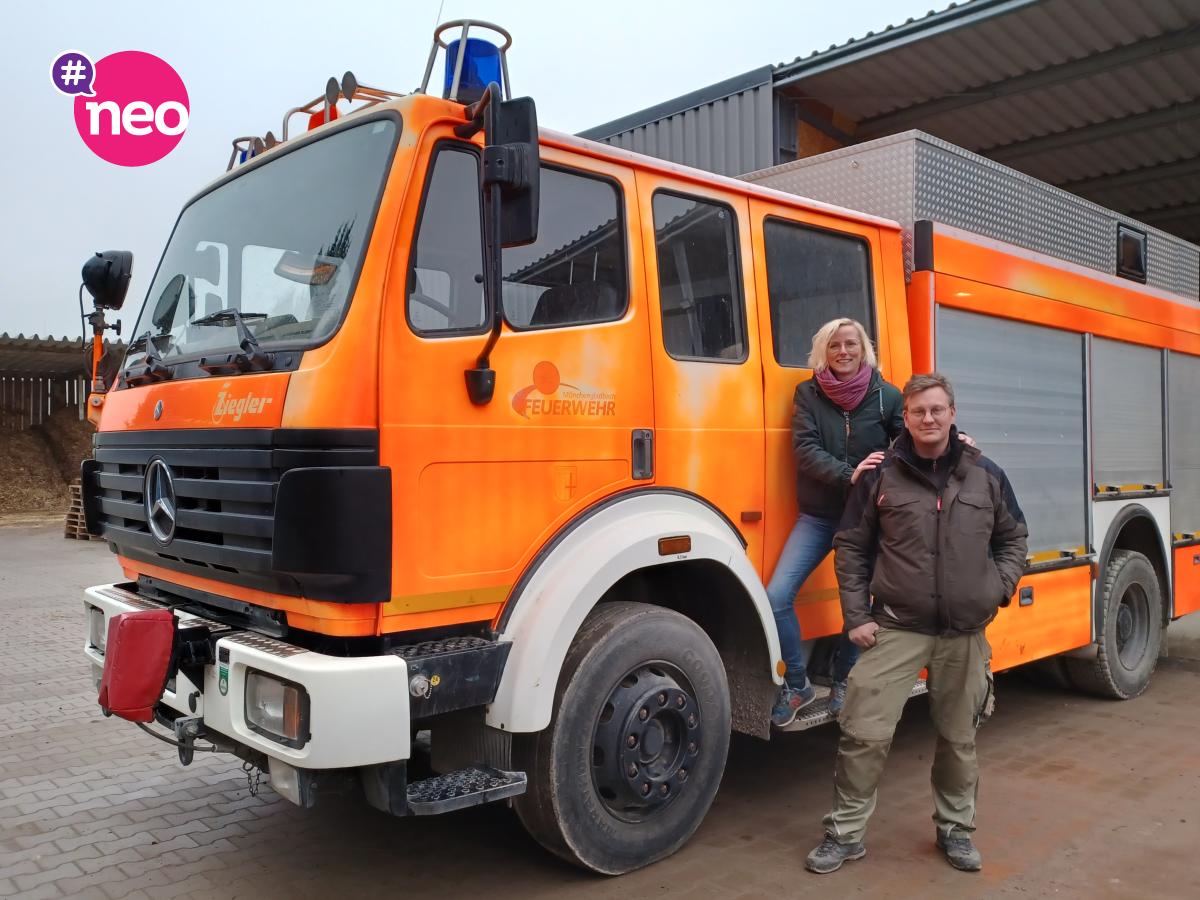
(358,713)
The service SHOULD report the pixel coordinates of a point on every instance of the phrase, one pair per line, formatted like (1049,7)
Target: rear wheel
(1130,633)
(636,746)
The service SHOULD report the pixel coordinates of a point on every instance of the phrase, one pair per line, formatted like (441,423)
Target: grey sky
(245,63)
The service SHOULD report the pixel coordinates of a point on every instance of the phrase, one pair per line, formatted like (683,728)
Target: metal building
(1099,98)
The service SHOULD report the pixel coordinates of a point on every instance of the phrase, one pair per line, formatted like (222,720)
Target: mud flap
(137,663)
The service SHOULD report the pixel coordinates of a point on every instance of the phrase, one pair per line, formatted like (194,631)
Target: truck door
(708,408)
(810,268)
(478,490)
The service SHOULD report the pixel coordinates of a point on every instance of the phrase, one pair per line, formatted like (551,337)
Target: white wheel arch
(590,558)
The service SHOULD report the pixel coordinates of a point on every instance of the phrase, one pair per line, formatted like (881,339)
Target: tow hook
(187,729)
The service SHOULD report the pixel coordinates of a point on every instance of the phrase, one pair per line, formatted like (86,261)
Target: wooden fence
(26,401)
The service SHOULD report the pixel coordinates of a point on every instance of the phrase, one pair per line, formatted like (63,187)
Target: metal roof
(44,357)
(1099,97)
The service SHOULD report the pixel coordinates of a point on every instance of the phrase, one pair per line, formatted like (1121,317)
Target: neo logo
(137,118)
(131,108)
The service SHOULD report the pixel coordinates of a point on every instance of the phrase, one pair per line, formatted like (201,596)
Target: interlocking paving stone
(1080,797)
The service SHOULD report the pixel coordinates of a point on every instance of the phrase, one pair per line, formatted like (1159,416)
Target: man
(935,535)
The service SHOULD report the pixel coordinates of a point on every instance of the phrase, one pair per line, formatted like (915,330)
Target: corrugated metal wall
(730,136)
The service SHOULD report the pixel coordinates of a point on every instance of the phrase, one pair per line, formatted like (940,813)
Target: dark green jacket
(829,442)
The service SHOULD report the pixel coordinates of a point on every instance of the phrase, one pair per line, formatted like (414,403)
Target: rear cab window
(813,276)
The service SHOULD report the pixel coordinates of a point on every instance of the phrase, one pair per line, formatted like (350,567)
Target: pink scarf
(846,394)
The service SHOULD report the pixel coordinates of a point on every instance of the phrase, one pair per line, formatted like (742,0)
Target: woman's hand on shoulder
(967,439)
(867,465)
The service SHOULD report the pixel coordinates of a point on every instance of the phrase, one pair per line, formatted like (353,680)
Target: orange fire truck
(449,457)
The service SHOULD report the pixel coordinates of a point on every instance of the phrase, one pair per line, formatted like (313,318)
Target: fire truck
(449,455)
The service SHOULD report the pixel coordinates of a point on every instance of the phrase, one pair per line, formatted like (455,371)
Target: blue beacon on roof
(481,65)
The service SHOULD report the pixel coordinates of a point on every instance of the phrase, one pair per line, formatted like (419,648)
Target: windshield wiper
(251,359)
(226,315)
(151,369)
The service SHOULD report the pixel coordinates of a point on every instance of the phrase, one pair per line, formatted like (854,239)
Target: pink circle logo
(137,111)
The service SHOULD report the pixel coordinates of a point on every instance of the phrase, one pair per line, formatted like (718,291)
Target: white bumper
(358,712)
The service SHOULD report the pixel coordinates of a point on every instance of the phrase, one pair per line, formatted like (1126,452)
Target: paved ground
(1080,798)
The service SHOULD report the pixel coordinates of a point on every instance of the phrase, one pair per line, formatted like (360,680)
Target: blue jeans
(808,544)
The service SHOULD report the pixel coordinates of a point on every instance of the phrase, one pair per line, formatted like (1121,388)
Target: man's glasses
(919,412)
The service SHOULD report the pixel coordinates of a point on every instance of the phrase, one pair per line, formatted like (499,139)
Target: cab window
(445,281)
(813,276)
(703,315)
(574,273)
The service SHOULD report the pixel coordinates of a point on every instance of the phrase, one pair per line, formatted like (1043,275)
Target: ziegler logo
(550,396)
(236,407)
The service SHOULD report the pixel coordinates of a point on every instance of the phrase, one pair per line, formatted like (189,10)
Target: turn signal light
(672,546)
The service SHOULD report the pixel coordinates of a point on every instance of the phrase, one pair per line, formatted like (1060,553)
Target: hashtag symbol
(72,72)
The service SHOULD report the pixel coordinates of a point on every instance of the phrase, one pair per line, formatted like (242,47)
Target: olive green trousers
(960,698)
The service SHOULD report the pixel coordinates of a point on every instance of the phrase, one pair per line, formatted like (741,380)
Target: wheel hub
(1124,623)
(647,737)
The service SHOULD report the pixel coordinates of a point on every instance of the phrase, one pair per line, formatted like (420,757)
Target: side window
(703,316)
(813,276)
(445,290)
(574,273)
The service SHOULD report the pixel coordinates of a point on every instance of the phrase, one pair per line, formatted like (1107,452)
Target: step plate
(817,712)
(463,788)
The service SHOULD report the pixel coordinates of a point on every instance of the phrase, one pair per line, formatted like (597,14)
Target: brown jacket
(934,562)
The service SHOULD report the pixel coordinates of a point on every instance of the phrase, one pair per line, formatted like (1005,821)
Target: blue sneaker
(789,704)
(837,697)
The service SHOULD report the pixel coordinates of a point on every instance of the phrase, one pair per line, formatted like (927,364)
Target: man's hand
(866,465)
(863,636)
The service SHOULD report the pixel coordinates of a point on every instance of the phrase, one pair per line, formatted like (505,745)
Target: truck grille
(225,484)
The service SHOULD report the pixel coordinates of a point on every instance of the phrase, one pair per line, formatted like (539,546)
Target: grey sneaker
(837,697)
(789,703)
(830,855)
(960,852)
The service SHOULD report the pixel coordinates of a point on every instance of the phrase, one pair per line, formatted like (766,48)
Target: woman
(844,417)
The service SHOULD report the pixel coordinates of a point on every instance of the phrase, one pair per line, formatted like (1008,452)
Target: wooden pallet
(74,527)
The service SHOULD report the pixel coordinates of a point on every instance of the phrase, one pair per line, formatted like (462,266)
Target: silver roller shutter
(1019,392)
(1183,376)
(1127,429)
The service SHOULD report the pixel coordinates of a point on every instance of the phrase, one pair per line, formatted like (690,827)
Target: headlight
(277,709)
(96,628)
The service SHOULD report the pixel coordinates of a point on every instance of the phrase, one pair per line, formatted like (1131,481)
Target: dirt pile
(37,465)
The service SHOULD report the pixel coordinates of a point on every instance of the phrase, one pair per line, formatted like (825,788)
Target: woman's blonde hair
(818,359)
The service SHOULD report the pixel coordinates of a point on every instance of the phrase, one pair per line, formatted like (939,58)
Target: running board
(463,788)
(817,713)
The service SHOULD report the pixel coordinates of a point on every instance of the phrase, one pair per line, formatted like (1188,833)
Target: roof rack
(323,108)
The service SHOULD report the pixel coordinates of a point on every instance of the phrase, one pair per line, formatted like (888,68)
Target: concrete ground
(1080,797)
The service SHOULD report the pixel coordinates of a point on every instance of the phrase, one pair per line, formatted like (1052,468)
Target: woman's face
(844,354)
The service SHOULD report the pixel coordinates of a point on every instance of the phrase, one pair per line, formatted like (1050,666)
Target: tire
(640,674)
(1130,633)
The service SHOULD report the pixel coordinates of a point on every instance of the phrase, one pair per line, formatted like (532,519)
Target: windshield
(281,244)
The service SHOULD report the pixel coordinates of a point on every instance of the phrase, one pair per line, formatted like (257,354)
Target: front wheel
(636,746)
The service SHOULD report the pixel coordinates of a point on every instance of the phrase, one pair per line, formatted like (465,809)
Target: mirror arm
(481,380)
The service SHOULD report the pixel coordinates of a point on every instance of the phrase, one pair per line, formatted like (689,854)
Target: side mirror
(106,277)
(168,302)
(511,159)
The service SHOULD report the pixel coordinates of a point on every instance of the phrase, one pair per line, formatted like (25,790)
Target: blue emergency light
(481,65)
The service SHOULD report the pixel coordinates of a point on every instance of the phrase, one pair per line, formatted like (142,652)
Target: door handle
(643,454)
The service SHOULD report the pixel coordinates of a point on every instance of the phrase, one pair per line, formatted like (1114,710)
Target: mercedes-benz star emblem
(157,410)
(159,499)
